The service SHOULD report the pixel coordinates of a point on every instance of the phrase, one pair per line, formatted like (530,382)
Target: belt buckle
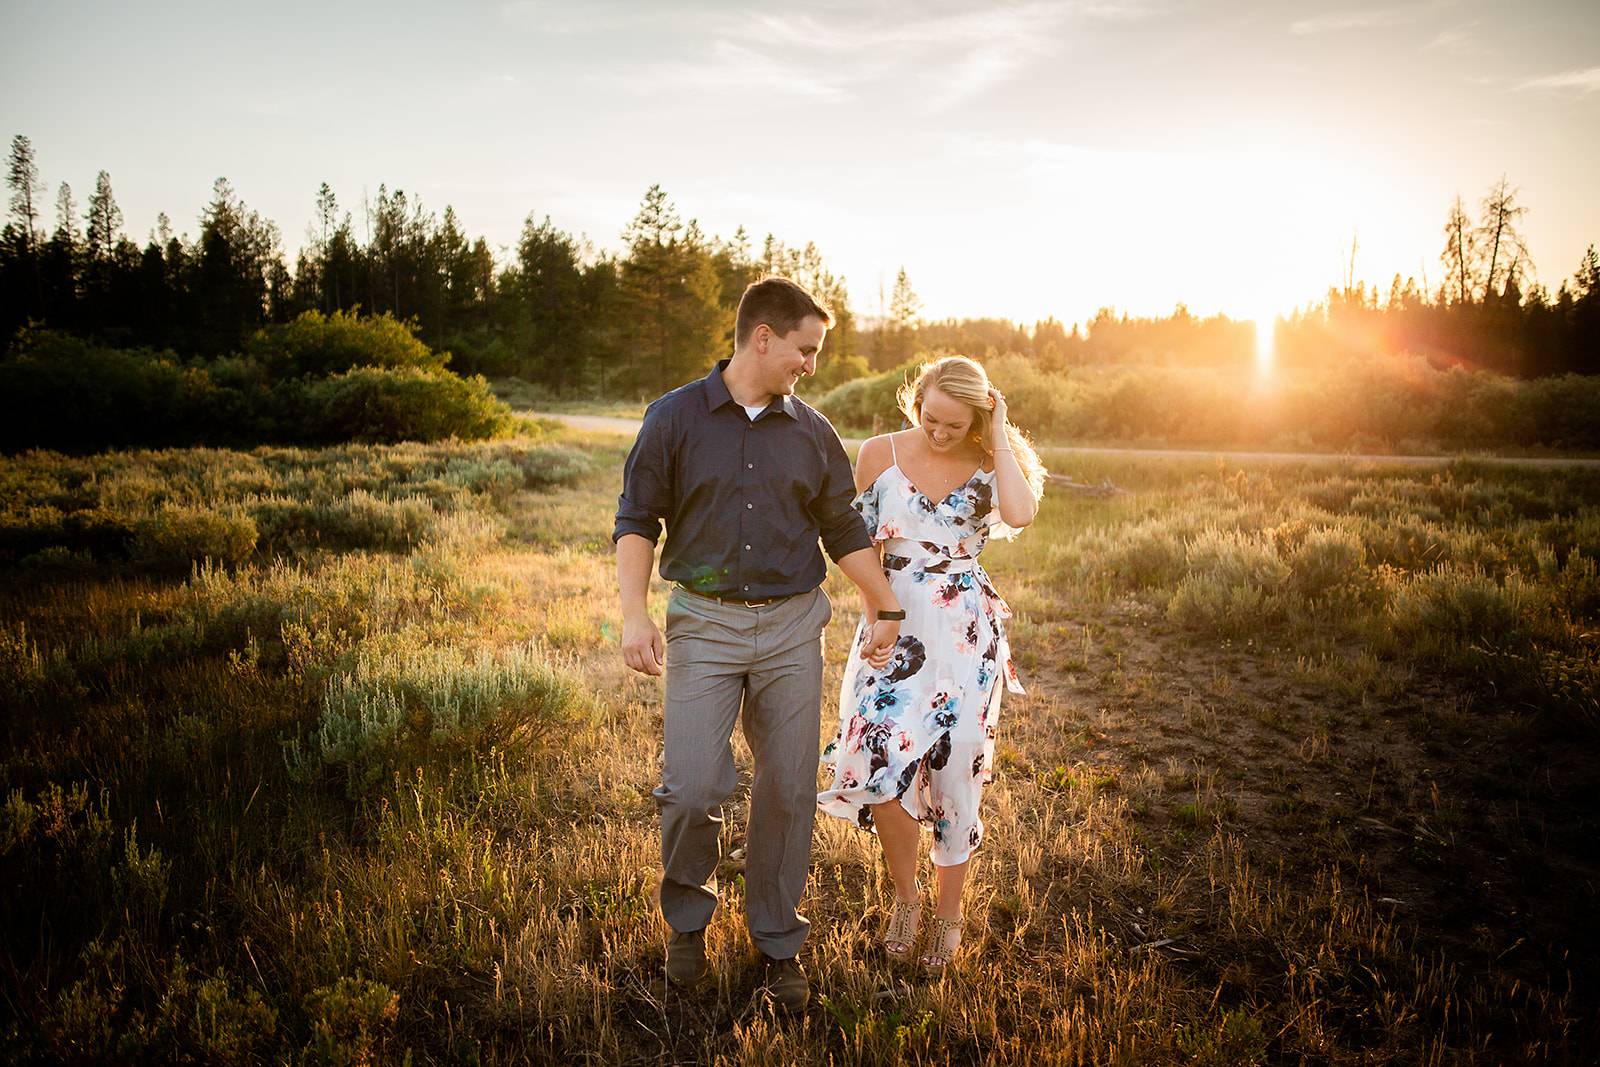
(771,600)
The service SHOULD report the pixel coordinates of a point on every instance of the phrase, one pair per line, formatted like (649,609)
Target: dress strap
(892,454)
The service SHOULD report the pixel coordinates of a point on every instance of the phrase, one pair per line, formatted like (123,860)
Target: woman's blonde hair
(964,380)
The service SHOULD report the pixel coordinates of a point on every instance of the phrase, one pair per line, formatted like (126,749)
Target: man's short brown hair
(779,303)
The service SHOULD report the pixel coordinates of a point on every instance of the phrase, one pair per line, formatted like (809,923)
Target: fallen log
(1104,488)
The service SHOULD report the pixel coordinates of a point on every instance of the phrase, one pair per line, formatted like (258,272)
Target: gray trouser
(770,660)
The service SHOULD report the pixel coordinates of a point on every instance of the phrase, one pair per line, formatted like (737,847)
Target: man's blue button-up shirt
(744,501)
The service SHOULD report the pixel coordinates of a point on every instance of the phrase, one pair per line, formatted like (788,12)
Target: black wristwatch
(891,616)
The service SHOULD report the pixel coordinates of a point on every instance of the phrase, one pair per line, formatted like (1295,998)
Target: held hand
(877,643)
(643,647)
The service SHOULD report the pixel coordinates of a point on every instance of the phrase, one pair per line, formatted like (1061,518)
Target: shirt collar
(717,393)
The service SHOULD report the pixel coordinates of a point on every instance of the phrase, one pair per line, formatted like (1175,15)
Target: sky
(1017,160)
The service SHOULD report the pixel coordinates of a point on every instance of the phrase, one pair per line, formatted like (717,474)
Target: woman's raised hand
(997,408)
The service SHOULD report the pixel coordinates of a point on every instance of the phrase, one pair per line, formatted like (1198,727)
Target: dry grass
(1308,834)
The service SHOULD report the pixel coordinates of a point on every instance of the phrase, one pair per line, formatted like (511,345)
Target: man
(746,478)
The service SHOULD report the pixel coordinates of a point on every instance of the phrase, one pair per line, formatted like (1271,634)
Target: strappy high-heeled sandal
(900,938)
(944,940)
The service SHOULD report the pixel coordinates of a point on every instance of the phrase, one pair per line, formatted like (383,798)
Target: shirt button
(747,548)
(749,466)
(747,507)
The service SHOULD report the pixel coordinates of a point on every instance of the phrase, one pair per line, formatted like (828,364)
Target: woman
(916,737)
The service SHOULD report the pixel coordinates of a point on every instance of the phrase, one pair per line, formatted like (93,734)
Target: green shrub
(27,528)
(1233,582)
(1408,544)
(176,536)
(865,402)
(1564,410)
(399,705)
(1568,681)
(358,521)
(1237,558)
(319,378)
(1460,609)
(352,1022)
(1211,602)
(1149,554)
(1385,503)
(381,405)
(1576,588)
(216,1019)
(141,880)
(219,609)
(1332,494)
(1239,1040)
(63,393)
(1380,403)
(315,345)
(1328,565)
(64,823)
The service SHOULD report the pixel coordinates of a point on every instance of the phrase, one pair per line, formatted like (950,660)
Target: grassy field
(1305,774)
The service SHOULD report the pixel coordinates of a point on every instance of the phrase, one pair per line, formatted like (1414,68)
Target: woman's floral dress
(923,727)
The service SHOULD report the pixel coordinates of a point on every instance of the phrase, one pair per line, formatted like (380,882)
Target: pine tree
(238,256)
(104,220)
(22,175)
(898,335)
(61,264)
(669,291)
(66,212)
(1587,279)
(25,297)
(311,276)
(453,253)
(553,315)
(1583,317)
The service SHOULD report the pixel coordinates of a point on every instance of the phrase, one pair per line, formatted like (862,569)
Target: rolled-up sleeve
(646,500)
(842,527)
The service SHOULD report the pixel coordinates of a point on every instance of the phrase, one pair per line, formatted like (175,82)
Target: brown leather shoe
(785,984)
(686,958)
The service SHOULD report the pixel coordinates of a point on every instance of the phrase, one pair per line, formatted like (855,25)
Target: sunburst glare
(1266,331)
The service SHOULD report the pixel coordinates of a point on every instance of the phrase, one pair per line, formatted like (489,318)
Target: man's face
(794,355)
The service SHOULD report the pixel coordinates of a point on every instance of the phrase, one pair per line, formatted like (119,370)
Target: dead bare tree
(1459,255)
(1500,238)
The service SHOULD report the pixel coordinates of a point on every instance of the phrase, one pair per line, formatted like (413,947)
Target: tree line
(1487,312)
(571,318)
(559,313)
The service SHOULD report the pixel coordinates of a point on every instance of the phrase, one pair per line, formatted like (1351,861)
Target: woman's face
(944,421)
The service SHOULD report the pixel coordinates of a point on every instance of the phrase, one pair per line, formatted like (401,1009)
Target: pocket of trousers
(677,610)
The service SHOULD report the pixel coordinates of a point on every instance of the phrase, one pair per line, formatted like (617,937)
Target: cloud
(972,51)
(917,29)
(1459,41)
(972,74)
(564,20)
(1369,19)
(953,55)
(736,68)
(1582,82)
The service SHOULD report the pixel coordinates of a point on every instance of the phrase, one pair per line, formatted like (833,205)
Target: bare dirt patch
(1458,816)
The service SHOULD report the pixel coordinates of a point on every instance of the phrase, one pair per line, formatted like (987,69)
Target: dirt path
(612,424)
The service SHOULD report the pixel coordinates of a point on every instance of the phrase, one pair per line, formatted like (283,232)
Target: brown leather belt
(742,602)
